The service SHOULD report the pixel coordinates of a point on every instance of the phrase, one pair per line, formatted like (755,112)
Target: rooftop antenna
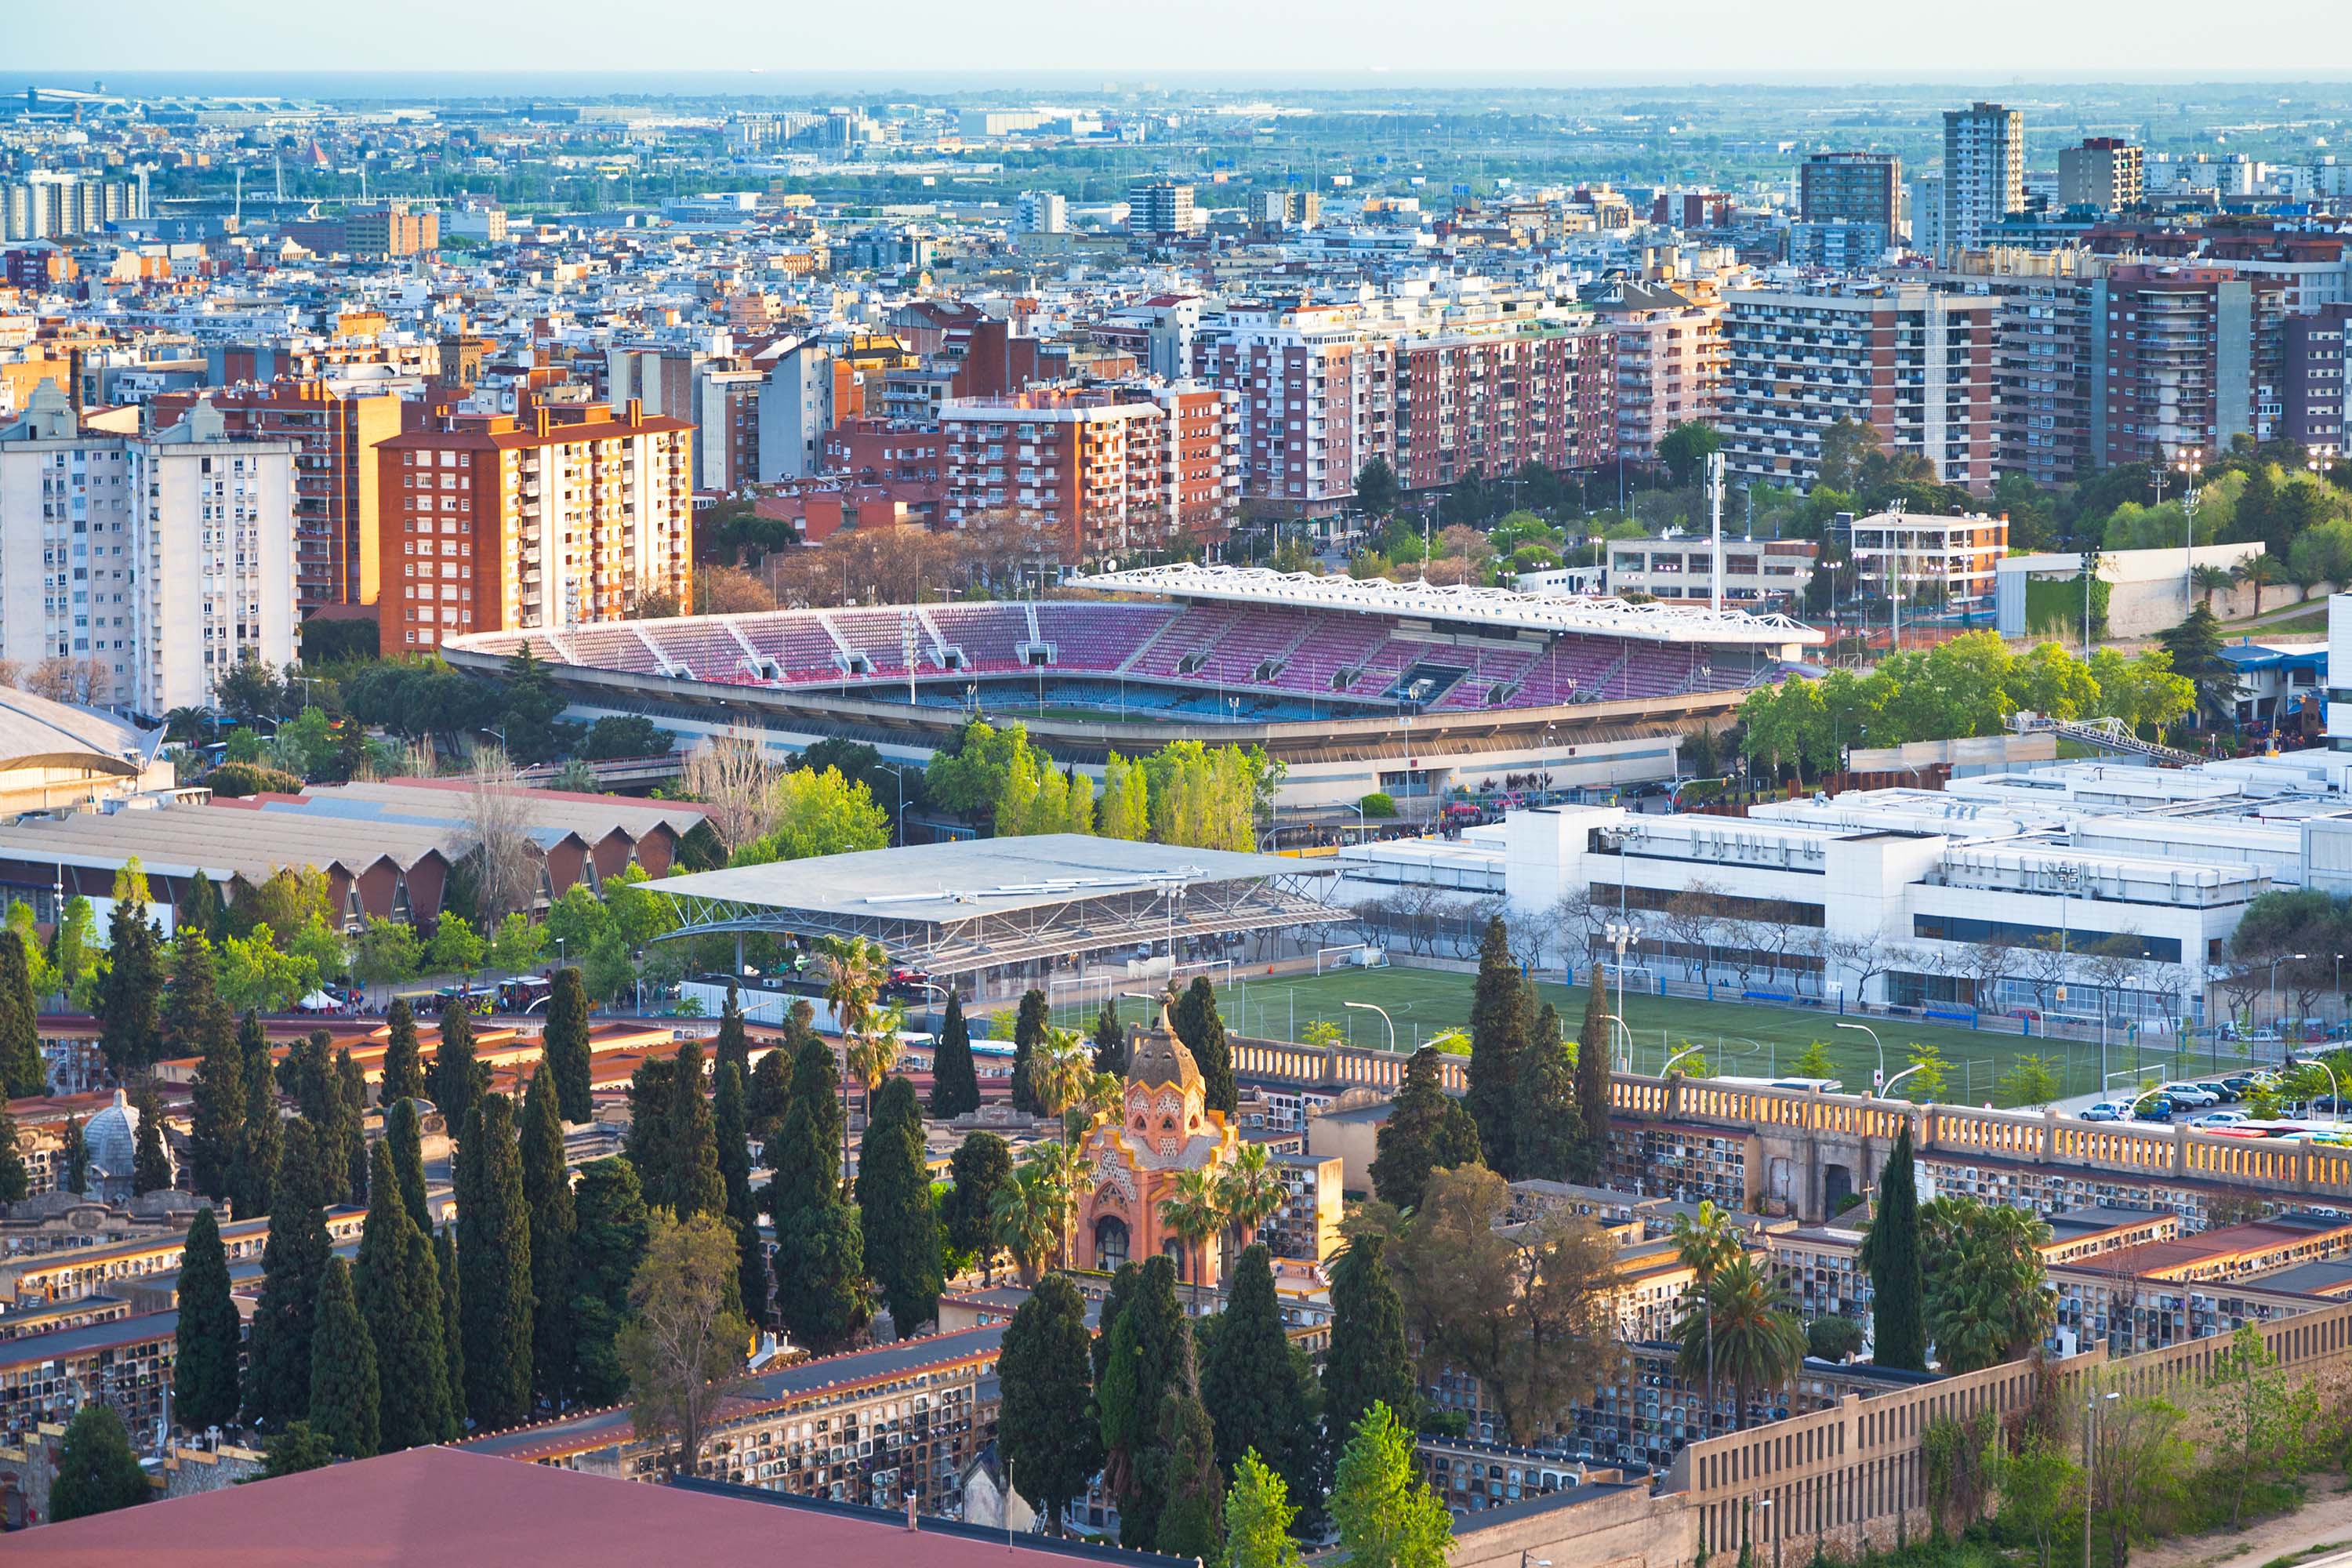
(240,193)
(1715,545)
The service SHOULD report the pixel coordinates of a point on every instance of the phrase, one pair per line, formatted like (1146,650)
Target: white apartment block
(1984,171)
(1758,573)
(1042,212)
(152,563)
(1952,562)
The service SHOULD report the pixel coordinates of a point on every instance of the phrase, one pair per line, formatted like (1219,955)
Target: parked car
(2106,1111)
(2220,1087)
(2190,1096)
(2213,1119)
(2153,1108)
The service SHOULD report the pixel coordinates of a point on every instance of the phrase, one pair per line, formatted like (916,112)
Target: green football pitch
(1742,1038)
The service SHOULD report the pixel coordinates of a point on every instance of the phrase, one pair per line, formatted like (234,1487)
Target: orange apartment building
(336,517)
(1098,471)
(553,518)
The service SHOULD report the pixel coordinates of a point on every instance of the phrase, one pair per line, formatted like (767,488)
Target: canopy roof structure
(977,903)
(1502,608)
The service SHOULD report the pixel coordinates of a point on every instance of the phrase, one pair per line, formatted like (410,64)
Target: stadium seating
(988,635)
(705,647)
(612,648)
(1330,646)
(1252,640)
(796,641)
(1098,636)
(1195,631)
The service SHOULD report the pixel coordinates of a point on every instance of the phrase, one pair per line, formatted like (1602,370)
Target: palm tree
(1251,1193)
(1749,1328)
(186,725)
(1193,1215)
(1062,1170)
(854,967)
(2210,581)
(1058,1070)
(1707,1244)
(2260,571)
(1025,1213)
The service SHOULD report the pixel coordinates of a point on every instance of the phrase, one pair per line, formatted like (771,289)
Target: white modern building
(144,568)
(1984,171)
(1949,561)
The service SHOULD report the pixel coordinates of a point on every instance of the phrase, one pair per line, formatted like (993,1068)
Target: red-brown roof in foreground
(438,1506)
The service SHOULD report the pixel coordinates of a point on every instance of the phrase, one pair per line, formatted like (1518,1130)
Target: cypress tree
(1028,1033)
(204,1375)
(1427,1130)
(151,1162)
(1369,1362)
(1154,1360)
(453,1327)
(404,1063)
(404,1138)
(351,1096)
(201,911)
(772,1092)
(1545,1131)
(132,992)
(897,1216)
(1191,1484)
(820,1262)
(77,1158)
(1593,1079)
(651,1117)
(1499,1020)
(400,1297)
(22,1070)
(1110,1041)
(547,1188)
(955,1086)
(729,1125)
(457,1080)
(734,1043)
(693,1185)
(1890,1254)
(1203,1030)
(208,1032)
(607,1244)
(346,1403)
(253,1175)
(804,1156)
(293,1262)
(494,1298)
(983,1162)
(564,1044)
(1045,1428)
(15,1181)
(1258,1393)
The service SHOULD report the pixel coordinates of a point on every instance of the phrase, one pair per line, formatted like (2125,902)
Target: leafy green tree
(1742,1327)
(730,1120)
(897,1215)
(1986,1298)
(453,1324)
(133,987)
(1427,1130)
(818,811)
(300,1447)
(1814,1062)
(516,944)
(151,1162)
(2264,1422)
(1891,1256)
(1045,1429)
(385,952)
(547,1190)
(1593,1080)
(980,1167)
(2030,1080)
(15,1181)
(1832,1339)
(955,1086)
(2039,1485)
(253,1174)
(1386,1515)
(683,1343)
(1258,1391)
(351,1130)
(97,1471)
(495,1297)
(1028,1033)
(1543,1129)
(1258,1519)
(1203,1030)
(403,1066)
(399,1294)
(1376,488)
(565,1044)
(404,1141)
(772,1091)
(293,1262)
(457,1080)
(1684,450)
(203,1373)
(1370,1361)
(345,1400)
(457,948)
(608,1242)
(22,1070)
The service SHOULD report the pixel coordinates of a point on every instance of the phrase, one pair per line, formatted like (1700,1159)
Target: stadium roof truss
(952,929)
(1498,607)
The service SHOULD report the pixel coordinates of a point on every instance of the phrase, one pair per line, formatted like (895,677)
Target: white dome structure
(110,1141)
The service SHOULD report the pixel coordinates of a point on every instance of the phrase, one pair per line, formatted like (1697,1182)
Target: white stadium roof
(1500,608)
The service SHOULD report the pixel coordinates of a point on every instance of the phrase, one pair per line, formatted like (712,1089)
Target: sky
(1132,43)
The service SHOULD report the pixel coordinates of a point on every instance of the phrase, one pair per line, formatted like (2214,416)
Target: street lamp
(2090,1463)
(1685,1051)
(1898,1077)
(1622,935)
(1367,1007)
(897,770)
(1878,1079)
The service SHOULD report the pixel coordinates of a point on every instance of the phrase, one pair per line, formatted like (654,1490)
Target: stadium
(1409,688)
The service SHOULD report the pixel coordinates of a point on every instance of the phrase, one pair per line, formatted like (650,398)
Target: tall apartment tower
(2103,174)
(1851,187)
(1042,212)
(1984,171)
(1159,207)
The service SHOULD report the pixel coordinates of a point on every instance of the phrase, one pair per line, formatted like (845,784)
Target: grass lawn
(1748,1039)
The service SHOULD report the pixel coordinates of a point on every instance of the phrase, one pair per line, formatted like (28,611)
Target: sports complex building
(1409,687)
